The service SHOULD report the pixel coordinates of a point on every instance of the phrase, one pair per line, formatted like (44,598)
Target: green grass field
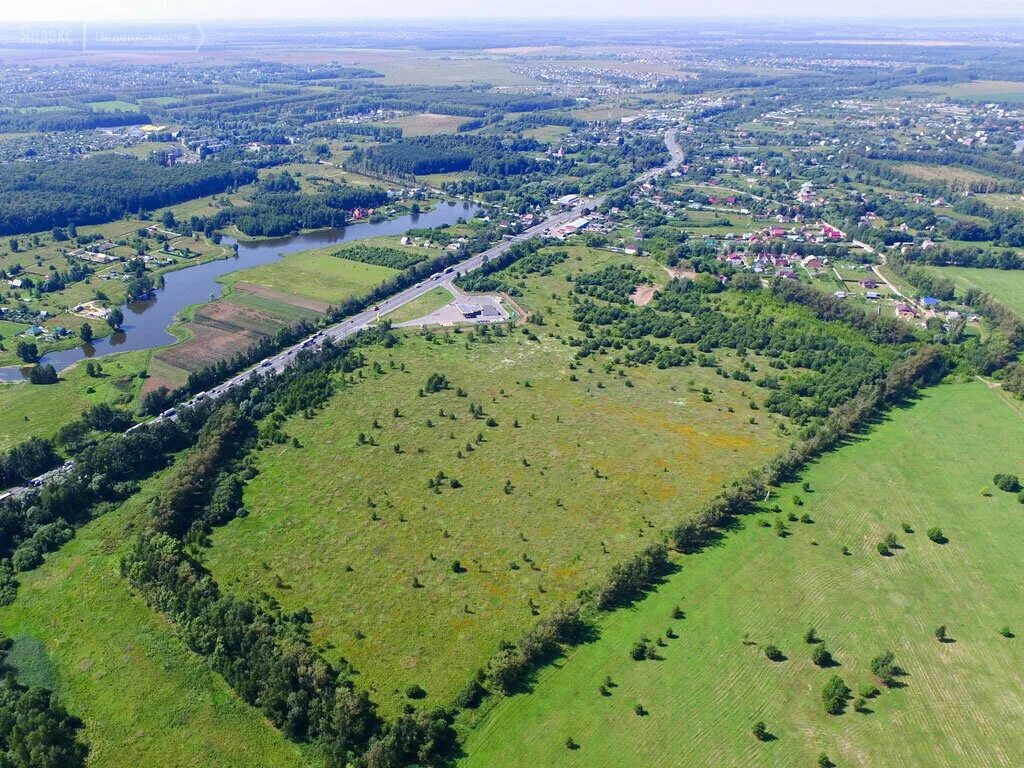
(145,699)
(976,90)
(28,410)
(424,305)
(427,124)
(1005,285)
(590,463)
(113,106)
(960,702)
(656,446)
(314,274)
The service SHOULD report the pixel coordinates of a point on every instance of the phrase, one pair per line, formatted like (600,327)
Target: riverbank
(147,322)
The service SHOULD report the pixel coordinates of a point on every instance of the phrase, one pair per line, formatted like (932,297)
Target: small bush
(820,656)
(884,668)
(935,534)
(760,731)
(1008,483)
(773,653)
(640,651)
(868,691)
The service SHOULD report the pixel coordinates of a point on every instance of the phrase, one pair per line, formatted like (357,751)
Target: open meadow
(559,475)
(315,274)
(925,466)
(34,411)
(1005,285)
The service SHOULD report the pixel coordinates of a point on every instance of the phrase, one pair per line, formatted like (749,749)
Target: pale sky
(199,10)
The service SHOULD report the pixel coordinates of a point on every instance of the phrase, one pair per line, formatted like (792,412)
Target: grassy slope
(659,448)
(315,275)
(961,703)
(144,698)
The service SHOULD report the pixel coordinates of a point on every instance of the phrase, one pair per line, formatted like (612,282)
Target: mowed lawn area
(315,274)
(1005,285)
(569,478)
(959,703)
(118,665)
(429,302)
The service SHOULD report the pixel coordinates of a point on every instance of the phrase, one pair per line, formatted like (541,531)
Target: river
(146,322)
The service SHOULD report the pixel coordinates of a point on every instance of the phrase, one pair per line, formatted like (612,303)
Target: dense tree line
(486,155)
(381,255)
(27,460)
(67,120)
(266,656)
(275,213)
(268,659)
(335,130)
(41,196)
(950,255)
(36,731)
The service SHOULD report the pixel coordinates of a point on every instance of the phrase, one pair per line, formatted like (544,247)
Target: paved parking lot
(464,309)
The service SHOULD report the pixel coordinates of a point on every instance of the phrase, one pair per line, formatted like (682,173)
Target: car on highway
(169,412)
(264,363)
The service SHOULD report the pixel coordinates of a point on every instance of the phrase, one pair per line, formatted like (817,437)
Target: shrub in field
(835,695)
(1008,483)
(821,656)
(884,668)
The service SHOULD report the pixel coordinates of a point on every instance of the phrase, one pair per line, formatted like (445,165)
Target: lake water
(146,322)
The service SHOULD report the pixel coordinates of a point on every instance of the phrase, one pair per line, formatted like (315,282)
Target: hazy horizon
(785,11)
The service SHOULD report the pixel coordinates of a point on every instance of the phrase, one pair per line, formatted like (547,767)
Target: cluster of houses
(97,253)
(780,264)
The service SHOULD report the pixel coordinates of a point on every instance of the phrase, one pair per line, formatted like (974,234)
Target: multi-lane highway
(352,325)
(356,323)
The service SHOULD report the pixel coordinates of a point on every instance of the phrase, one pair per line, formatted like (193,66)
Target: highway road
(352,325)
